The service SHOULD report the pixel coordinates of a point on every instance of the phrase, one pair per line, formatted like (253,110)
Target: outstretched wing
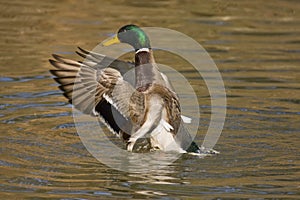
(96,87)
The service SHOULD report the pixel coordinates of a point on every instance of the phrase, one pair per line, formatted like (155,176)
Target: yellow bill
(110,41)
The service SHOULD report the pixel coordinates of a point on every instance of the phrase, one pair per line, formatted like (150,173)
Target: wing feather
(86,84)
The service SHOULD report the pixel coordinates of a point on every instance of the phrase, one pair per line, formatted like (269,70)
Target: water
(255,45)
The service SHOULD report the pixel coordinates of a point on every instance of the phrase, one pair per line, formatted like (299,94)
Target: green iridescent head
(132,35)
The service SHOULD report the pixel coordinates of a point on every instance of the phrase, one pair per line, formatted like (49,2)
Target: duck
(146,115)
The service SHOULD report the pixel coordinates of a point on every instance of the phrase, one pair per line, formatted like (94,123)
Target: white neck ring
(143,49)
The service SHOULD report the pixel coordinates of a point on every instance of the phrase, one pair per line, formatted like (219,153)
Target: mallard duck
(149,109)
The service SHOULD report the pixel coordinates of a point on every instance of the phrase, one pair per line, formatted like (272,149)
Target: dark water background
(256,46)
